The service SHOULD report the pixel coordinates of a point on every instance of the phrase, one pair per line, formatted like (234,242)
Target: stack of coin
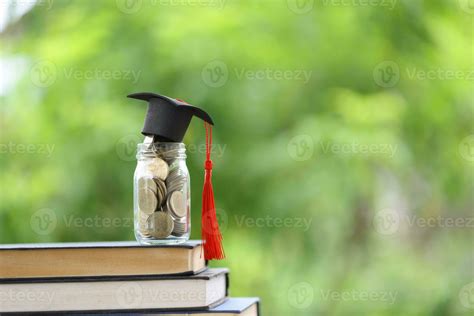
(176,206)
(175,180)
(162,202)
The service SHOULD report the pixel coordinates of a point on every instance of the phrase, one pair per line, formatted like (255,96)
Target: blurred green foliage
(287,147)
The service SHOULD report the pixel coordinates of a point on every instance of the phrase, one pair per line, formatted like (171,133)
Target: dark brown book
(99,259)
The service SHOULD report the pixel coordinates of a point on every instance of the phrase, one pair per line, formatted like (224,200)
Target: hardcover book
(234,306)
(201,291)
(99,259)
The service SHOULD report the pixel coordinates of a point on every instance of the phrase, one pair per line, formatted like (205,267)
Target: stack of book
(115,277)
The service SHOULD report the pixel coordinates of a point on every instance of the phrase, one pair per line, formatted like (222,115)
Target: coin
(173,177)
(142,216)
(175,182)
(143,227)
(147,182)
(147,201)
(159,168)
(142,223)
(173,171)
(160,197)
(161,190)
(179,228)
(160,224)
(166,151)
(177,204)
(176,186)
(148,141)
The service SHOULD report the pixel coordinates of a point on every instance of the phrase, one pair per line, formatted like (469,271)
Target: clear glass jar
(162,194)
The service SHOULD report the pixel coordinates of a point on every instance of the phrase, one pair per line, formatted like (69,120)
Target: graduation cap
(167,120)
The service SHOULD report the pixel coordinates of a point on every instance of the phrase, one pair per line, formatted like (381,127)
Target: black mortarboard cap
(168,118)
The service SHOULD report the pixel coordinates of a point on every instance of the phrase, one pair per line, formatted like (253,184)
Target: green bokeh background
(288,149)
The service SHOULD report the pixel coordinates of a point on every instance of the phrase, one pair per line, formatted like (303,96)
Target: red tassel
(211,234)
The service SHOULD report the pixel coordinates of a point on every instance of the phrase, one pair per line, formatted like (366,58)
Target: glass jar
(162,194)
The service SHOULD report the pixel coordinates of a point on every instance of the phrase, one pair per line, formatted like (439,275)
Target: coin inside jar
(175,182)
(147,183)
(160,225)
(159,168)
(180,228)
(147,201)
(176,204)
(143,223)
(161,190)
